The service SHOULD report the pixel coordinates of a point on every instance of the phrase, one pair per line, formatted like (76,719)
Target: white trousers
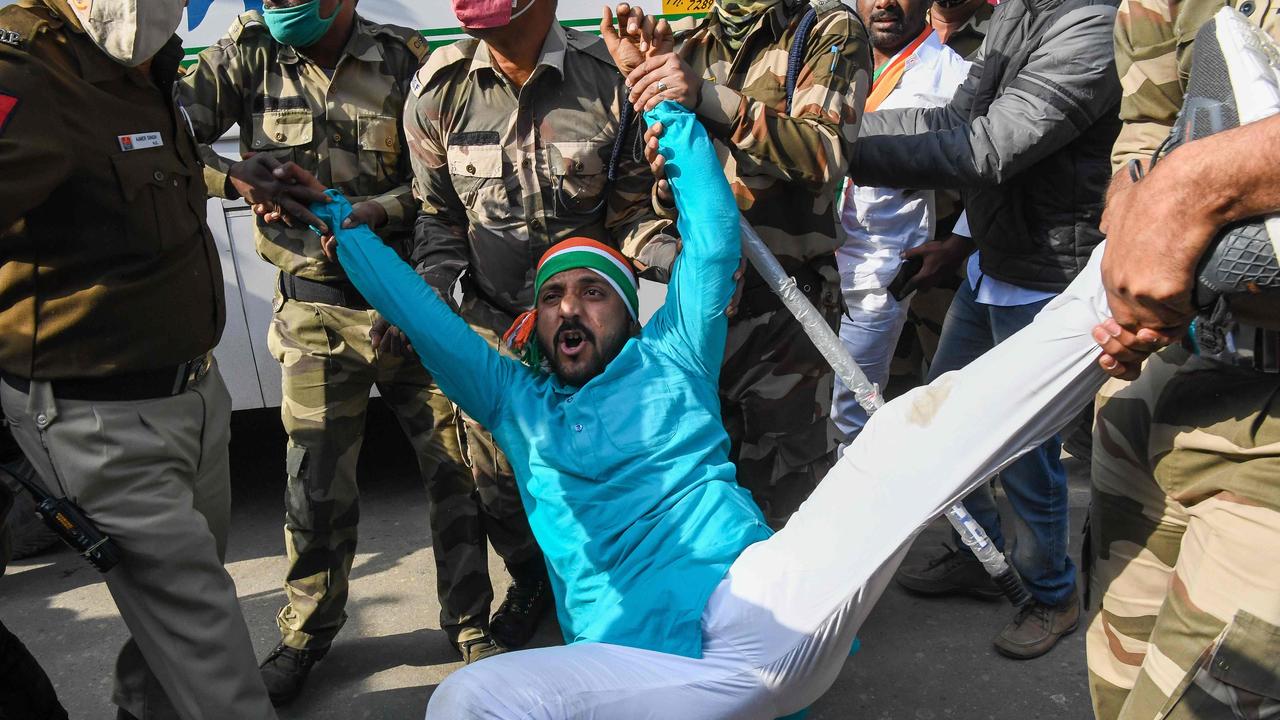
(777,630)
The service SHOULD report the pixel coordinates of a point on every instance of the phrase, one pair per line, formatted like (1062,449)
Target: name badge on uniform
(140,141)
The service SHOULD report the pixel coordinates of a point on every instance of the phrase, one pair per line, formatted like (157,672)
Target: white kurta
(880,223)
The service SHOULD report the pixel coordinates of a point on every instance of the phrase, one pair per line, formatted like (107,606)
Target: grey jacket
(1027,138)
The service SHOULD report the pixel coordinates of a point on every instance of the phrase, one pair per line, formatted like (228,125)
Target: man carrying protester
(1025,139)
(786,149)
(314,83)
(508,160)
(675,604)
(110,305)
(913,69)
(1186,461)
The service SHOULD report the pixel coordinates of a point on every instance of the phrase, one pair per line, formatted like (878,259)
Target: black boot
(518,616)
(286,669)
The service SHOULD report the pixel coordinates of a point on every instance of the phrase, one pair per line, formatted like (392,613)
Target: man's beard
(888,40)
(602,352)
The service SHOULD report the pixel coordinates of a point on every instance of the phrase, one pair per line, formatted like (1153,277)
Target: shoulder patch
(591,45)
(8,104)
(412,39)
(442,59)
(246,22)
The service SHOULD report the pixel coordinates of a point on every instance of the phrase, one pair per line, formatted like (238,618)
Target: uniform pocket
(279,129)
(378,133)
(154,185)
(379,141)
(1248,658)
(1240,679)
(474,168)
(579,172)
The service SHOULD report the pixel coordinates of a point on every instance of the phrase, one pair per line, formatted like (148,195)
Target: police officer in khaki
(519,140)
(110,303)
(314,83)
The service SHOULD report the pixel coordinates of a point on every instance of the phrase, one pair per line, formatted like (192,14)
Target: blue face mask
(300,25)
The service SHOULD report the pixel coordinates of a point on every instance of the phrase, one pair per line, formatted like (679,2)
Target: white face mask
(130,31)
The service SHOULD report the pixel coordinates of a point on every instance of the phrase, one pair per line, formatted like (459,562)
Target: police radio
(71,524)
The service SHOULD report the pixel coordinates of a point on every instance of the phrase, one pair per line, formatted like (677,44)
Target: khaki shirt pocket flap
(576,158)
(481,161)
(138,169)
(1248,657)
(378,133)
(282,128)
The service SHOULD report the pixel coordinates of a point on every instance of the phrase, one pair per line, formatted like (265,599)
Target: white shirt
(882,222)
(988,290)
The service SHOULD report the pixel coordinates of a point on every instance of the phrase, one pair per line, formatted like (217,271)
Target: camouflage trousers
(328,366)
(775,399)
(1185,525)
(491,501)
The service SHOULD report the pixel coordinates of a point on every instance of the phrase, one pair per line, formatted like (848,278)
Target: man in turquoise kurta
(675,600)
(626,478)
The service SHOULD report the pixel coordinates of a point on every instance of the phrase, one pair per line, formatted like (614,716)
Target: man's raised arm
(692,322)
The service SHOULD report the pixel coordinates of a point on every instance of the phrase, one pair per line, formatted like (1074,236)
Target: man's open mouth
(572,342)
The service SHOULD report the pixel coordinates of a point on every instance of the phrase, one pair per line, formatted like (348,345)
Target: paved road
(921,659)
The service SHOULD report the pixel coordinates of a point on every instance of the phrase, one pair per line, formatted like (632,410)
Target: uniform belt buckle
(192,372)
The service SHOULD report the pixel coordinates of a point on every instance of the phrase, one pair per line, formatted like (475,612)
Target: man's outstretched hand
(278,191)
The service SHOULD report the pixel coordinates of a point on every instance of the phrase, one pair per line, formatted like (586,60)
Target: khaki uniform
(504,173)
(1186,471)
(344,128)
(110,301)
(919,341)
(785,170)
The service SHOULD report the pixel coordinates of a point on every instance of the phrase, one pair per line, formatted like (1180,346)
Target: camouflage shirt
(344,128)
(504,172)
(1153,57)
(785,170)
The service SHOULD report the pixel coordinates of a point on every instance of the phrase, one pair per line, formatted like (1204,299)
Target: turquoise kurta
(626,480)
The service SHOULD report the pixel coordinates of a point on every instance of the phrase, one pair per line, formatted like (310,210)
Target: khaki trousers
(154,475)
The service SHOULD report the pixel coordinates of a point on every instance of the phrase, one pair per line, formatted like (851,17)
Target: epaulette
(442,58)
(685,26)
(412,39)
(589,44)
(246,22)
(20,23)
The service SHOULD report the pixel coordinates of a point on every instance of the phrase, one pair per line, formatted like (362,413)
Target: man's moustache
(567,325)
(886,16)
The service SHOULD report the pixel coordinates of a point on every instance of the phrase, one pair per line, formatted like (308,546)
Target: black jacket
(1027,138)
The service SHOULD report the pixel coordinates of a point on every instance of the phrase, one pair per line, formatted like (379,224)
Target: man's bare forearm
(1229,176)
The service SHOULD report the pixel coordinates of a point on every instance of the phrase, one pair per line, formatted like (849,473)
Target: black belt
(338,292)
(141,385)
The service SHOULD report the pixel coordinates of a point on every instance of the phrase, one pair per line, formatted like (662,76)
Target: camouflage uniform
(919,341)
(498,189)
(785,170)
(1186,471)
(346,130)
